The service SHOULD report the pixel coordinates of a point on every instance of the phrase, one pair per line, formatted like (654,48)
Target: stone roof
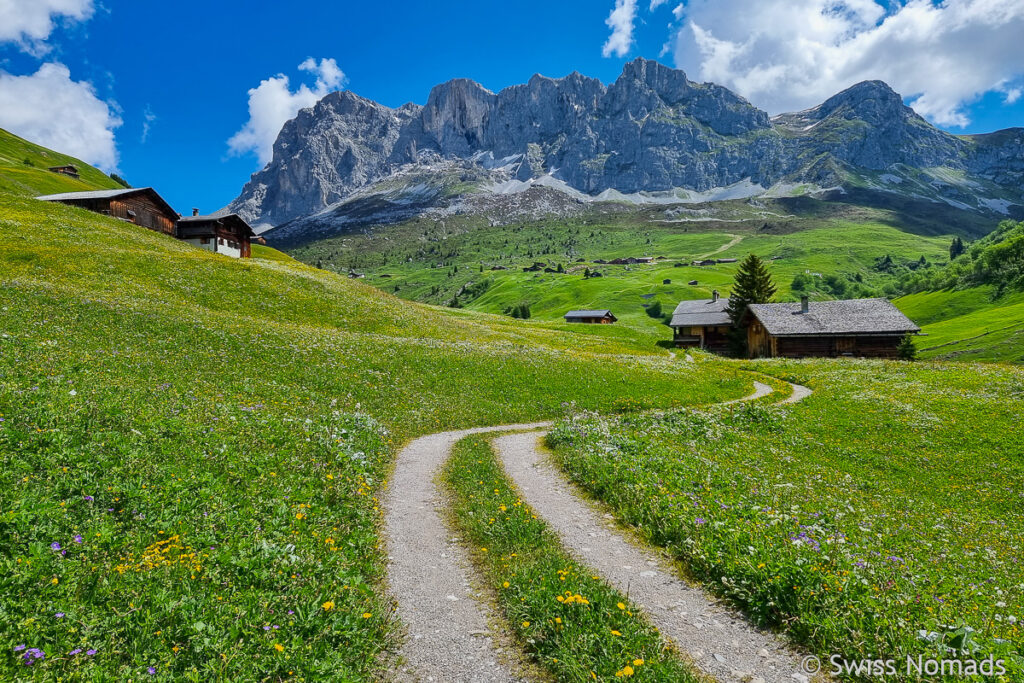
(701,313)
(856,316)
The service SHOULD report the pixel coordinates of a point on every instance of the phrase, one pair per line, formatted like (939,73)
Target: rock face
(652,130)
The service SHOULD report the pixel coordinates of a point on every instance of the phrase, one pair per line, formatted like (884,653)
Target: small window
(204,240)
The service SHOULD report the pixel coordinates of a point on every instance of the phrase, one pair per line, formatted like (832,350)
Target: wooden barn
(67,169)
(867,328)
(141,206)
(228,234)
(604,317)
(702,324)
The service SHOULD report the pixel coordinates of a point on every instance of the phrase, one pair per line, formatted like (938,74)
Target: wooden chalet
(141,206)
(702,324)
(67,169)
(869,328)
(228,234)
(603,317)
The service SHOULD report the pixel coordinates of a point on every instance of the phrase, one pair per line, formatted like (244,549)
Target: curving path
(448,636)
(720,641)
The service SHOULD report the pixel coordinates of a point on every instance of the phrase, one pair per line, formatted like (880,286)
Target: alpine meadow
(577,379)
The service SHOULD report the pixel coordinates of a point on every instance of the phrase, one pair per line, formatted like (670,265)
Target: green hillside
(831,258)
(23,170)
(191,446)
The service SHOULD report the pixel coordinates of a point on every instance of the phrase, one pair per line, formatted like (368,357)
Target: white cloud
(620,21)
(787,55)
(655,4)
(148,119)
(1013,94)
(30,22)
(52,110)
(272,104)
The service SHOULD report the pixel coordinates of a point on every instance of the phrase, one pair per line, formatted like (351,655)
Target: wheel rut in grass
(448,636)
(721,642)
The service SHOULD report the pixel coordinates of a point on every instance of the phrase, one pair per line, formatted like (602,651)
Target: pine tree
(957,248)
(752,285)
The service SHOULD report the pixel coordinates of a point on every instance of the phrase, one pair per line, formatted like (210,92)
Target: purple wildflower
(32,655)
(59,615)
(266,628)
(78,538)
(152,671)
(19,648)
(55,546)
(700,520)
(89,498)
(74,652)
(291,611)
(90,652)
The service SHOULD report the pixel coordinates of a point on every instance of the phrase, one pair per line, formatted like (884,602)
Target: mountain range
(551,146)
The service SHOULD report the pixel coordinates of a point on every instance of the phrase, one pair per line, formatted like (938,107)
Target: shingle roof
(228,218)
(701,313)
(856,316)
(588,314)
(93,194)
(109,194)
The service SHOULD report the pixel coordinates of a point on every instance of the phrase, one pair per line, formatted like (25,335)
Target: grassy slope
(214,431)
(968,324)
(844,249)
(20,178)
(886,504)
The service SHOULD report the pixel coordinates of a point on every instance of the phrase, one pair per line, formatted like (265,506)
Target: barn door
(844,346)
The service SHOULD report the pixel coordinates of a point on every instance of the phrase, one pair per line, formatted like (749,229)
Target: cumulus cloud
(273,103)
(655,4)
(51,109)
(787,55)
(620,21)
(30,22)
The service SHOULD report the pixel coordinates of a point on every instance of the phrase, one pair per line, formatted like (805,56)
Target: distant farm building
(869,328)
(68,170)
(705,262)
(702,324)
(141,206)
(227,234)
(604,317)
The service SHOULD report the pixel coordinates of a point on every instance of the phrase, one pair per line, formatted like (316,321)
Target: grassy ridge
(33,178)
(572,623)
(968,324)
(881,517)
(190,445)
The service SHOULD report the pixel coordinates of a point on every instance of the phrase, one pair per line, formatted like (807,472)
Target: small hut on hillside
(868,328)
(702,324)
(603,317)
(228,234)
(141,206)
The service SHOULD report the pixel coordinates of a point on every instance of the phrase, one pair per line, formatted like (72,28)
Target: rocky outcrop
(652,130)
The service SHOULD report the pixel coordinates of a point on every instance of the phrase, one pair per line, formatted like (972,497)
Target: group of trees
(996,260)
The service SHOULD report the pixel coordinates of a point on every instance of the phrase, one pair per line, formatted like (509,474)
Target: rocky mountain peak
(651,130)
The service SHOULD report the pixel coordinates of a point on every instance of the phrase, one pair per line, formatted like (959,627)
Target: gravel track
(720,640)
(448,634)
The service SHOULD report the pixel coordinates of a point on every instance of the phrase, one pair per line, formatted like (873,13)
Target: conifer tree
(752,285)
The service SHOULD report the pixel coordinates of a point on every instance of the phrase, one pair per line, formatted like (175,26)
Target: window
(204,240)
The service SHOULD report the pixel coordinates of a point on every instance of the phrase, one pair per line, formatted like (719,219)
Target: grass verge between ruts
(571,622)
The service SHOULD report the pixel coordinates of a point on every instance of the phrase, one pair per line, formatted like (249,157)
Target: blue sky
(183,70)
